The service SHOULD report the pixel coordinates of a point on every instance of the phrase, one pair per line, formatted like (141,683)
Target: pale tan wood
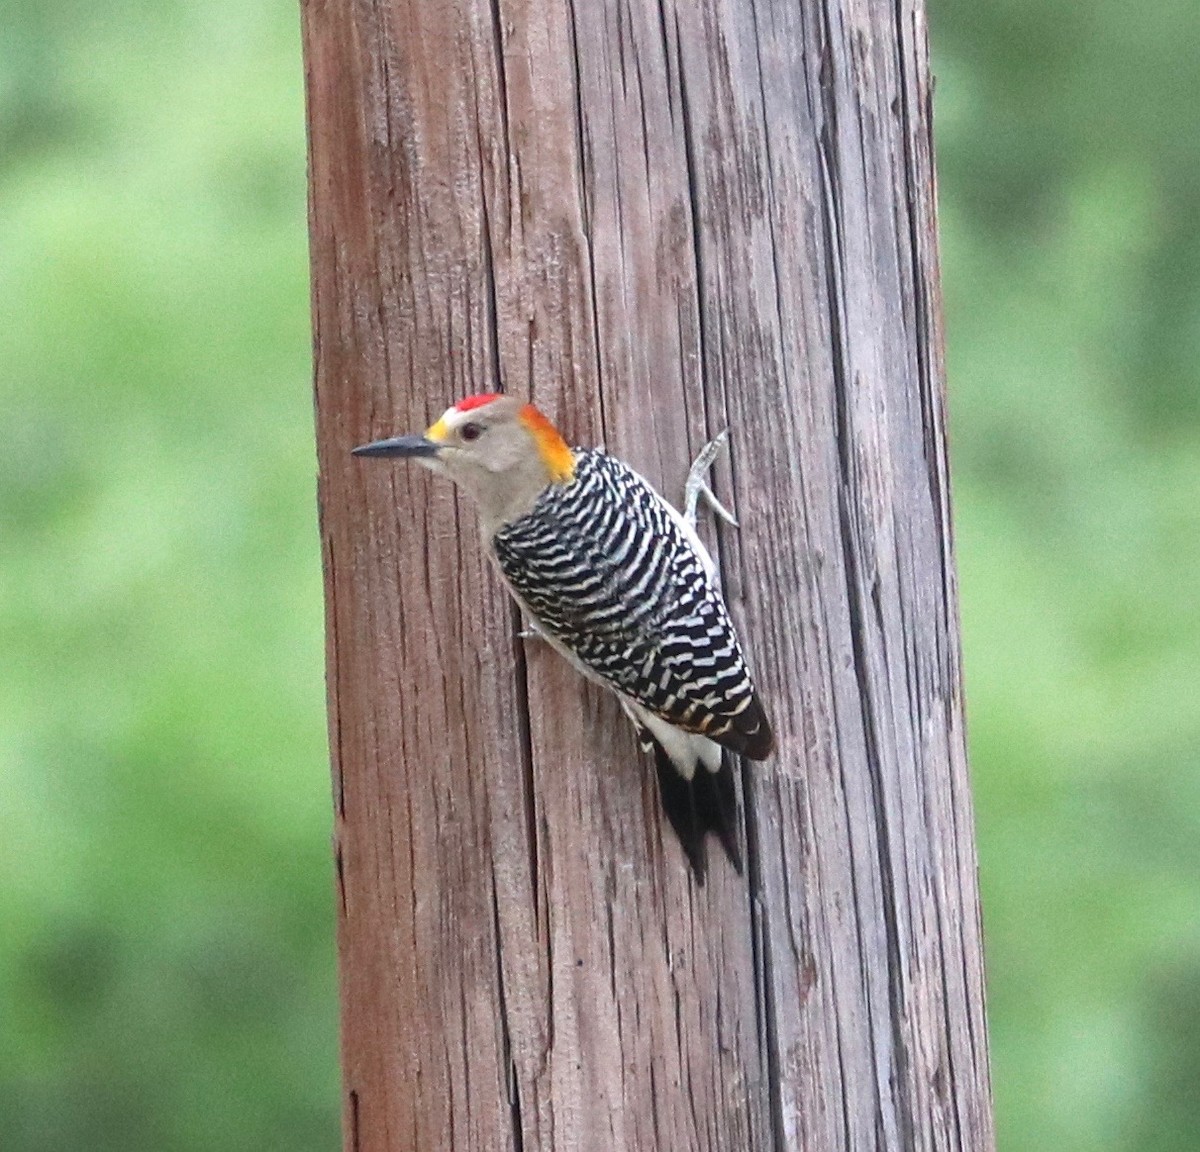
(655,219)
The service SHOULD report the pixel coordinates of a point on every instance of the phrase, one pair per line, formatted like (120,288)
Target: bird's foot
(697,482)
(531,632)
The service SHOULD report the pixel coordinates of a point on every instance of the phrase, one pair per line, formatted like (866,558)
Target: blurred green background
(166,952)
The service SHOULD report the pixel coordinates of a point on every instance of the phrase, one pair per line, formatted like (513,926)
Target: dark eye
(471,432)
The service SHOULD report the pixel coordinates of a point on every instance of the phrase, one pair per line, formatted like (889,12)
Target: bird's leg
(697,482)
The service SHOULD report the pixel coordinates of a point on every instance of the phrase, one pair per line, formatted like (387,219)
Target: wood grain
(656,219)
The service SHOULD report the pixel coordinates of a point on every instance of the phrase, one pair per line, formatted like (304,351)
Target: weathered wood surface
(656,218)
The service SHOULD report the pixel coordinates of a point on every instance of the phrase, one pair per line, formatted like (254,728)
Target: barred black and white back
(620,584)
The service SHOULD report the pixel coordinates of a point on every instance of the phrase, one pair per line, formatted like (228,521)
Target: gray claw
(697,482)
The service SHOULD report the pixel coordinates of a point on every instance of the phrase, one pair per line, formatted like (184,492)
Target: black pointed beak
(399,446)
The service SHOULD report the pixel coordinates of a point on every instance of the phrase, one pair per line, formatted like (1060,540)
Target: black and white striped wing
(609,573)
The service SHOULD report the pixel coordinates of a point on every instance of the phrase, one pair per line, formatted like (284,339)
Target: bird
(617,580)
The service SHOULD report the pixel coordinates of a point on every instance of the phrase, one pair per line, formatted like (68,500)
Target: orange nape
(558,458)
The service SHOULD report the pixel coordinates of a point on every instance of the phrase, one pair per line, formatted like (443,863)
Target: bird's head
(502,451)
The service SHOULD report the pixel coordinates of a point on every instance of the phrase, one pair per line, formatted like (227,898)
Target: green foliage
(166,960)
(1071,235)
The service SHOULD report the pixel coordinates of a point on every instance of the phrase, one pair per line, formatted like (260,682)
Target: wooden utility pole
(656,219)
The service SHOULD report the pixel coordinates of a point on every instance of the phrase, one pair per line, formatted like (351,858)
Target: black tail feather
(706,803)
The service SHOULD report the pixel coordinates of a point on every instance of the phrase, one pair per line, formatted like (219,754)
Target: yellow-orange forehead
(438,430)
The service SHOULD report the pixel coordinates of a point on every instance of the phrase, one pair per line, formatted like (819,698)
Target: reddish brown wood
(656,218)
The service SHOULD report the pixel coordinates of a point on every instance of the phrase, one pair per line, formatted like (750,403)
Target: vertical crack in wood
(764,984)
(693,191)
(899,1086)
(666,52)
(642,110)
(512,1080)
(769,191)
(333,692)
(585,201)
(583,176)
(845,1078)
(619,7)
(340,874)
(946,1093)
(923,321)
(501,71)
(492,299)
(525,738)
(354,1141)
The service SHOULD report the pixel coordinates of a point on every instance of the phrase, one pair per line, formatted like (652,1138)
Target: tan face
(486,440)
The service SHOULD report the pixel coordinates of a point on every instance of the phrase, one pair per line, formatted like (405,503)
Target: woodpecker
(617,581)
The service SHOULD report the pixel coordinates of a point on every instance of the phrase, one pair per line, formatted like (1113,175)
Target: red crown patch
(476,401)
